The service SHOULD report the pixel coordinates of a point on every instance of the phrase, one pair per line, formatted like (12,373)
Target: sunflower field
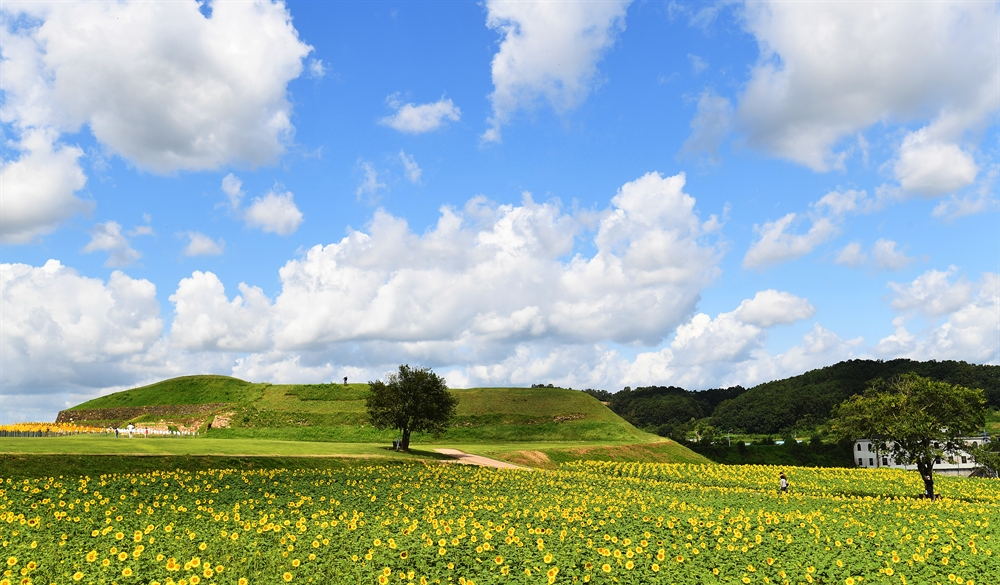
(431,523)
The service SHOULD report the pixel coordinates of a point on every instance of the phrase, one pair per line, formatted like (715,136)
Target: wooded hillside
(775,407)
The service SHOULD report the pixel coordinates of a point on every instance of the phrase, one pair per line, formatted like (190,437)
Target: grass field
(597,522)
(103,444)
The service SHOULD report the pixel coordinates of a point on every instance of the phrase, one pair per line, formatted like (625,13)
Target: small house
(957,463)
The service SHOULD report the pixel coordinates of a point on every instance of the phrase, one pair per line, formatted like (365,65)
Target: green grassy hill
(184,390)
(334,412)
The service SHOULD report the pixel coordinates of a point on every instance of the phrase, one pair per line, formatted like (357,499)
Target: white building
(957,463)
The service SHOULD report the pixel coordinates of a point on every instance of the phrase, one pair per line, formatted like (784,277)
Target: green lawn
(106,445)
(99,444)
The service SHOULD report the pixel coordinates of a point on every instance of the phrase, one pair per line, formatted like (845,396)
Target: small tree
(414,399)
(913,419)
(988,456)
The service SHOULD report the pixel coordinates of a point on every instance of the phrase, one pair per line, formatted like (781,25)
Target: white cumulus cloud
(817,82)
(274,213)
(488,277)
(206,320)
(770,307)
(963,318)
(548,52)
(418,119)
(933,293)
(730,349)
(39,187)
(930,167)
(156,82)
(63,332)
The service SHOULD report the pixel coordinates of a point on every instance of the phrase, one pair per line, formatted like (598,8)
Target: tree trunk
(405,443)
(926,473)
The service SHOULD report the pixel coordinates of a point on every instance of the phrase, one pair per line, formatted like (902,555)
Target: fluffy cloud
(776,244)
(38,188)
(157,82)
(488,277)
(932,293)
(730,349)
(963,318)
(108,237)
(549,51)
(816,81)
(417,119)
(274,213)
(201,245)
(206,320)
(929,167)
(769,308)
(64,332)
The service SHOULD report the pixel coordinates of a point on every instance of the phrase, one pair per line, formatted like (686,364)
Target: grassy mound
(177,391)
(336,412)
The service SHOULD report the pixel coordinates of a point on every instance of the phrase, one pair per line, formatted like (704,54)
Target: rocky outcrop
(124,413)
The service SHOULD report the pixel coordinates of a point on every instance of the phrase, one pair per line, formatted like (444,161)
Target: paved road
(470,459)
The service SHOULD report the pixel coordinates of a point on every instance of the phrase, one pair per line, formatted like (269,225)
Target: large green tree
(412,399)
(913,419)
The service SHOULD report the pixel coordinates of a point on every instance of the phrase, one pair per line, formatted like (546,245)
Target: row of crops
(30,429)
(587,522)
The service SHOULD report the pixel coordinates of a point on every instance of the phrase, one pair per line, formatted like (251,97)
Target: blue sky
(591,194)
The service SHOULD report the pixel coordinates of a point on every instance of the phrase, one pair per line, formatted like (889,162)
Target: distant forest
(782,406)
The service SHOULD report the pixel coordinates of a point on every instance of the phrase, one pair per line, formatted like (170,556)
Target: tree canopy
(412,399)
(913,419)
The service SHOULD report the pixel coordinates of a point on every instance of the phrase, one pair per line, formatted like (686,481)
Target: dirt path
(470,459)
